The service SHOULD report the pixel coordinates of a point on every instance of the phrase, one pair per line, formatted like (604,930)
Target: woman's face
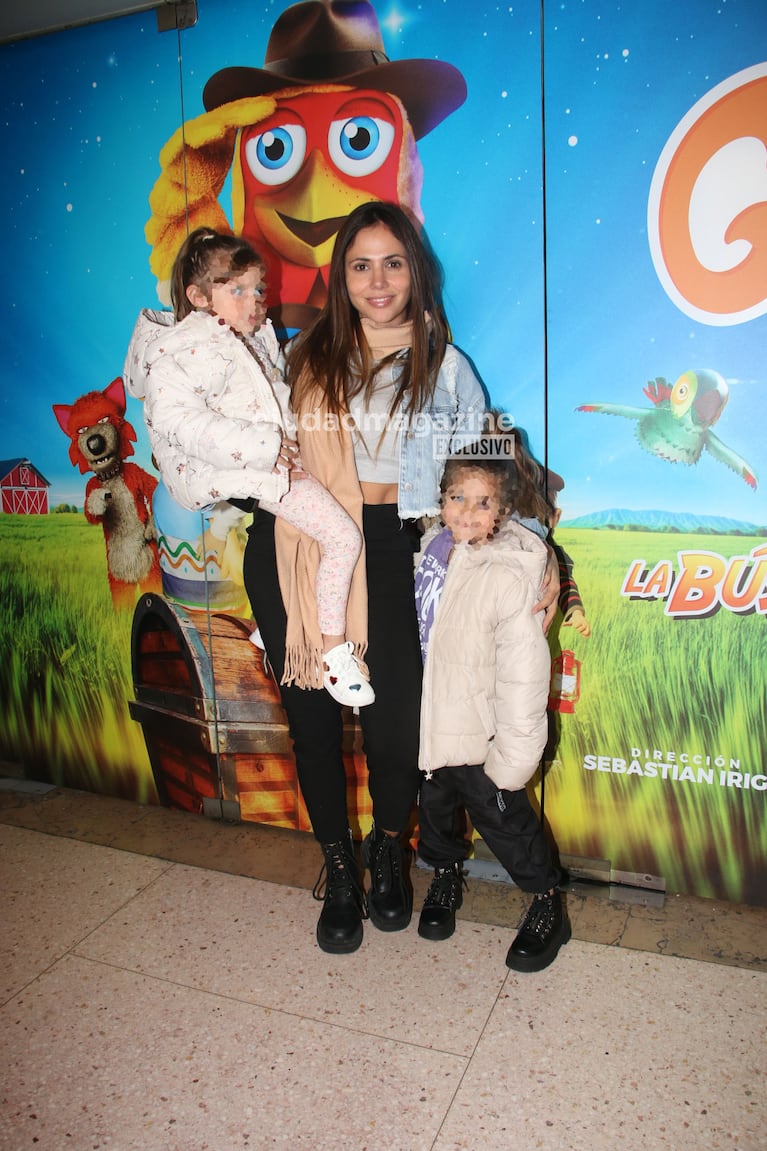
(378,276)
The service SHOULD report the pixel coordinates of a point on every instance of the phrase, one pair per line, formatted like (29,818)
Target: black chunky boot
(444,897)
(339,928)
(544,930)
(390,898)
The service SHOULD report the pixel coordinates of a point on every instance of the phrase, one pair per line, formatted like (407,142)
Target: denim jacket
(453,418)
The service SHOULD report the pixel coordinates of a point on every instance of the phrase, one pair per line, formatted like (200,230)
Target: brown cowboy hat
(339,42)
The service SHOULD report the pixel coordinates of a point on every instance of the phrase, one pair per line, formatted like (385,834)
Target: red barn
(23,489)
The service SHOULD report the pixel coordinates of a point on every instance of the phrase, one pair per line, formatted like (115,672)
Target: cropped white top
(376,435)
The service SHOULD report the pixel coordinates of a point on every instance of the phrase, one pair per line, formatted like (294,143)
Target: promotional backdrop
(599,204)
(656,141)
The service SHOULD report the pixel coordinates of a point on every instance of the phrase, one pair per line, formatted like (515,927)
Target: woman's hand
(549,592)
(288,453)
(289,460)
(287,457)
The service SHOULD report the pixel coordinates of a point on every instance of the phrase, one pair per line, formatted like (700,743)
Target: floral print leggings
(311,508)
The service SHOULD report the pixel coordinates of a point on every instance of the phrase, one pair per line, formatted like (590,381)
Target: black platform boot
(390,898)
(339,928)
(543,931)
(444,897)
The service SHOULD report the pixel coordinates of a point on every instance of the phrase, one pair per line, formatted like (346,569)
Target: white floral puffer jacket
(215,419)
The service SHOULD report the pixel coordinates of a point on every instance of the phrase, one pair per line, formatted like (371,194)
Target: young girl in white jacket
(216,408)
(483,704)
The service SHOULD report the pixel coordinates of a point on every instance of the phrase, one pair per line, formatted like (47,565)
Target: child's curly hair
(520,477)
(529,498)
(498,462)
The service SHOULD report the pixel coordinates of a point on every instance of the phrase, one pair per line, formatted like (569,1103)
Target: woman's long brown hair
(330,362)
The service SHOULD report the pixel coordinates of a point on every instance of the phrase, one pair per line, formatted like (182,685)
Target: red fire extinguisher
(565,689)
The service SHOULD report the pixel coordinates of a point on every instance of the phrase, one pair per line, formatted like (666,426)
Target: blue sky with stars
(86,112)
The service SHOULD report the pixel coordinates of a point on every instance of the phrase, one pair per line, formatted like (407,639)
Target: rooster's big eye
(276,155)
(359,145)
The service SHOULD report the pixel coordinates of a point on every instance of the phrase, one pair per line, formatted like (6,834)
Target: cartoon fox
(119,494)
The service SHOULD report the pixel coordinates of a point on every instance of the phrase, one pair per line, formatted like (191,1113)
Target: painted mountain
(687,523)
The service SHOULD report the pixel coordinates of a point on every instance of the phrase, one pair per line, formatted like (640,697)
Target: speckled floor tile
(71,813)
(255,941)
(598,920)
(497,903)
(613,1049)
(614,915)
(155,1006)
(53,892)
(95,1057)
(703,929)
(275,854)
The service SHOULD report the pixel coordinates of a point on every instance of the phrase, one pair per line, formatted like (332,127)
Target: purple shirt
(429,581)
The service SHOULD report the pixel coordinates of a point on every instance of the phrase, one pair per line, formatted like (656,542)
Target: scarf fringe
(303,665)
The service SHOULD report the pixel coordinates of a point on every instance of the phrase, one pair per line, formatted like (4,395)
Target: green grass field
(65,674)
(695,686)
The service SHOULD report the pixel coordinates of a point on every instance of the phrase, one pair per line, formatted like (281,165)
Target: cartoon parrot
(328,123)
(678,427)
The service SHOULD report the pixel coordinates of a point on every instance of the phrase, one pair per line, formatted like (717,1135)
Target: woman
(379,395)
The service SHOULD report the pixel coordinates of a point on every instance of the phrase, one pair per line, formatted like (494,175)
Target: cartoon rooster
(328,123)
(679,425)
(119,494)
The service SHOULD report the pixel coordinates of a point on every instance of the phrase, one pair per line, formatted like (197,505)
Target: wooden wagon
(215,731)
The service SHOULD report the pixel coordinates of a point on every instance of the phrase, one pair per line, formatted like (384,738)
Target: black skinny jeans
(390,725)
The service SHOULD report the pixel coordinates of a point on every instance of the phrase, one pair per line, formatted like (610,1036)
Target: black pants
(505,820)
(390,725)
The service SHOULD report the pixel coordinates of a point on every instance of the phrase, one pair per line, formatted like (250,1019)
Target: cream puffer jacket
(487,670)
(215,419)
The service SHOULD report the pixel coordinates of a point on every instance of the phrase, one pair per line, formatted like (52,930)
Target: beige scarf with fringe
(327,453)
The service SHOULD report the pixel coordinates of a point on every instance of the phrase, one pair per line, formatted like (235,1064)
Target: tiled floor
(161,990)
